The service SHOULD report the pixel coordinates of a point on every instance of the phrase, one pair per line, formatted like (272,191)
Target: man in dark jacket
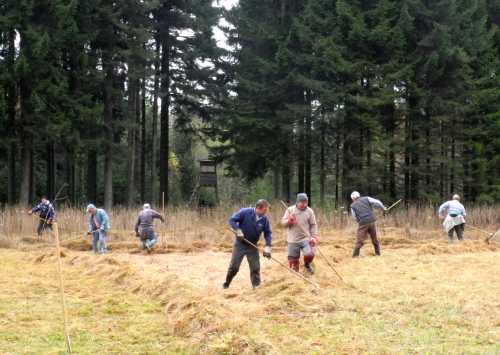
(46,214)
(144,226)
(249,224)
(362,212)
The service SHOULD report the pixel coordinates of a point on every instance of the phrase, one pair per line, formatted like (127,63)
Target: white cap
(90,207)
(456,197)
(146,206)
(355,195)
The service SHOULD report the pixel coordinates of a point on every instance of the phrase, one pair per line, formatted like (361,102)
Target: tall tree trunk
(92,175)
(467,157)
(108,128)
(337,167)
(11,100)
(131,138)
(361,151)
(390,166)
(26,163)
(301,155)
(407,161)
(51,171)
(369,173)
(285,183)
(164,114)
(26,135)
(285,170)
(71,177)
(452,164)
(276,181)
(32,189)
(428,157)
(154,121)
(143,140)
(442,185)
(415,116)
(307,149)
(346,162)
(75,84)
(322,165)
(138,123)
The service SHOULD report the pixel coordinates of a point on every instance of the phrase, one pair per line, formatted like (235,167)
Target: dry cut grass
(421,296)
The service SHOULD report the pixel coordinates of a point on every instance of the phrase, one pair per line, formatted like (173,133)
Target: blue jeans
(99,241)
(148,238)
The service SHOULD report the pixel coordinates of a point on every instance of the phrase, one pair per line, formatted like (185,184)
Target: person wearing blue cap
(98,225)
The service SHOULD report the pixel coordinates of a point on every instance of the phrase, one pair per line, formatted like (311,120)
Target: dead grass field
(422,296)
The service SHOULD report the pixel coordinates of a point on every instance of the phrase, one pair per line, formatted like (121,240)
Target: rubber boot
(309,268)
(229,278)
(294,265)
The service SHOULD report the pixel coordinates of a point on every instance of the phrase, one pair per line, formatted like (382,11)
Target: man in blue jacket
(98,225)
(249,223)
(46,214)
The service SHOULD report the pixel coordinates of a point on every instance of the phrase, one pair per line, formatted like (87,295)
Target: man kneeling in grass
(144,226)
(248,224)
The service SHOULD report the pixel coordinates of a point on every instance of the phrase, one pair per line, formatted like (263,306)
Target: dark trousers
(42,225)
(457,229)
(363,232)
(239,251)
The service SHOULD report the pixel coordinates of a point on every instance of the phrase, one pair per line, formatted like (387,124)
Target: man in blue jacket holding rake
(248,224)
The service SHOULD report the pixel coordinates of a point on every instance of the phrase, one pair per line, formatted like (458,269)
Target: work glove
(267,252)
(89,233)
(30,212)
(291,220)
(314,241)
(137,234)
(239,233)
(49,221)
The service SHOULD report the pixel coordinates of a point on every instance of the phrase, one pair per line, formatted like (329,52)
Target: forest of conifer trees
(117,99)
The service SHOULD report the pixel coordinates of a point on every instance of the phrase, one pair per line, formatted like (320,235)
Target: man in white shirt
(453,213)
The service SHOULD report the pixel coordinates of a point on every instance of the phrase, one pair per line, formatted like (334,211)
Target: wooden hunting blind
(207,180)
(208,173)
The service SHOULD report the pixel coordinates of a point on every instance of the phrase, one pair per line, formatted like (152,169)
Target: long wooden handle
(61,288)
(280,263)
(492,236)
(318,249)
(393,205)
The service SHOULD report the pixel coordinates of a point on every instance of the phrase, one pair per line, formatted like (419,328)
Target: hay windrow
(468,246)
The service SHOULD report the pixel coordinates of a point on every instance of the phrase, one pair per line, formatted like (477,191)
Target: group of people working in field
(303,234)
(248,224)
(98,224)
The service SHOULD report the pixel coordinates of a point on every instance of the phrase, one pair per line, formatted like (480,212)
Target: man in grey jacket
(144,226)
(362,212)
